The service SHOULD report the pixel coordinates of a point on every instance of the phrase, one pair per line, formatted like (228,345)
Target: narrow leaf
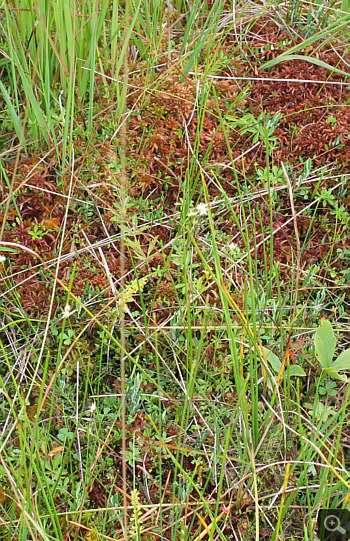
(310,59)
(13,115)
(331,30)
(6,249)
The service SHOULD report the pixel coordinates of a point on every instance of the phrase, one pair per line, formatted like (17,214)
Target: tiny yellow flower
(129,292)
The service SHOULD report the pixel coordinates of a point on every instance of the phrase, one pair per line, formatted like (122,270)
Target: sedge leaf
(310,59)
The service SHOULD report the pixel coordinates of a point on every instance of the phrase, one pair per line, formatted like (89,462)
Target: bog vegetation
(174,269)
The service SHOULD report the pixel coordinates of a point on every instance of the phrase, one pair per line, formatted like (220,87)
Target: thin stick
(298,270)
(122,272)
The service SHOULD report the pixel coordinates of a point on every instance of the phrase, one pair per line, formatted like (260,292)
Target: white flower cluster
(2,259)
(233,246)
(201,209)
(235,251)
(67,311)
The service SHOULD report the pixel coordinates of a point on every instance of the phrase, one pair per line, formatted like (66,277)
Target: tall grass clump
(51,52)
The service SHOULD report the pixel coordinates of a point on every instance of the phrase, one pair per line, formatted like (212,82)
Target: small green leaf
(325,343)
(296,370)
(275,363)
(273,360)
(343,361)
(7,249)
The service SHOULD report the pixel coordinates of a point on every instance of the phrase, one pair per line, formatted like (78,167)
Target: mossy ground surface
(218,213)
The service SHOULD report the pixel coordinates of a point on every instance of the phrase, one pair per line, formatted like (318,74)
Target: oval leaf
(296,370)
(325,343)
(274,361)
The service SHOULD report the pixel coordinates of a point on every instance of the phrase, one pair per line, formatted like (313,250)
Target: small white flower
(92,408)
(2,259)
(200,210)
(235,251)
(66,311)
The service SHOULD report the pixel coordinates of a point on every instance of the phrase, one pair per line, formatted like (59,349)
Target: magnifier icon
(332,524)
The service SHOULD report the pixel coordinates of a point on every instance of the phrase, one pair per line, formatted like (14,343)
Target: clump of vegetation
(173,269)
